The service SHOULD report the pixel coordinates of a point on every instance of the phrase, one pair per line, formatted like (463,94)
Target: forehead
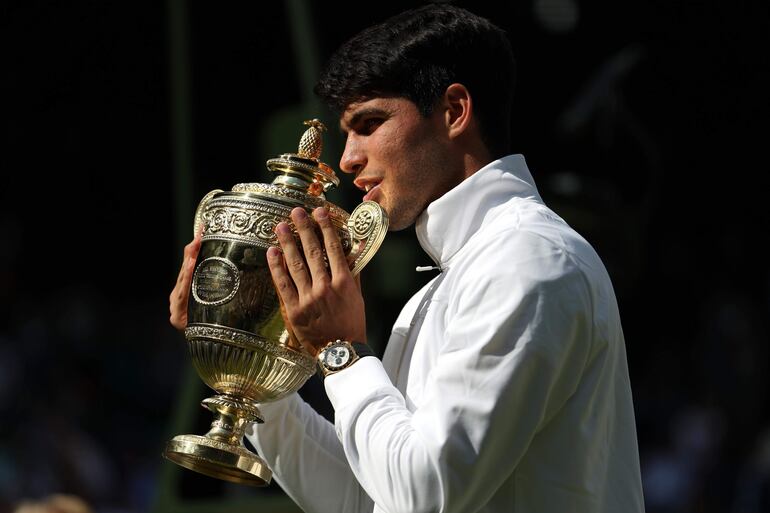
(354,112)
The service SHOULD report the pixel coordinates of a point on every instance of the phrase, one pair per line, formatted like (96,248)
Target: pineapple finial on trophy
(311,143)
(304,170)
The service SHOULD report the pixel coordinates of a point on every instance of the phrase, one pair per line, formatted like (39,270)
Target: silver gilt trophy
(238,342)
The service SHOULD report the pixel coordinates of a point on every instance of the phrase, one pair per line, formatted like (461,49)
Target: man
(504,385)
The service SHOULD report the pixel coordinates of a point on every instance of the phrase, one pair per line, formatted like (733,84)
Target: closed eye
(368,125)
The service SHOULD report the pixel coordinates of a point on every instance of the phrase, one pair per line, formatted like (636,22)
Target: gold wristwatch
(341,354)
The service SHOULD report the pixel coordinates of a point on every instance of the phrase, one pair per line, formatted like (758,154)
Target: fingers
(295,262)
(181,292)
(298,272)
(283,282)
(188,259)
(337,261)
(178,314)
(357,280)
(311,246)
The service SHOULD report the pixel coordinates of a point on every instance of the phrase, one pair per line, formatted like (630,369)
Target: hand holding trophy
(238,342)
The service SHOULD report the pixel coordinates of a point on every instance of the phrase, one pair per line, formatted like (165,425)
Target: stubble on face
(405,150)
(414,190)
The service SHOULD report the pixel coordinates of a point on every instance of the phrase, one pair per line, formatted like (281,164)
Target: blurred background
(644,125)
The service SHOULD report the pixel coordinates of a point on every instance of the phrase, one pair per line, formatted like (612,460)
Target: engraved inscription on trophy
(215,282)
(256,295)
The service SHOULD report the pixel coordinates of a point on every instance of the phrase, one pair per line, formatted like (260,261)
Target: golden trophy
(236,336)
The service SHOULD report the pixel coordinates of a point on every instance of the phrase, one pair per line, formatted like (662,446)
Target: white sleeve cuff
(356,383)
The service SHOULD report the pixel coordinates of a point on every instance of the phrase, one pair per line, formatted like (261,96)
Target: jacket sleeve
(511,354)
(306,458)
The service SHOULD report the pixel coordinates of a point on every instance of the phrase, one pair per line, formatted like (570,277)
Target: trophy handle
(367,226)
(198,220)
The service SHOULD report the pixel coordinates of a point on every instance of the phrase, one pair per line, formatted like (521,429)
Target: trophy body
(236,335)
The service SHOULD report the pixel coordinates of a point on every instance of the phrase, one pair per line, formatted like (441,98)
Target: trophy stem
(231,418)
(221,453)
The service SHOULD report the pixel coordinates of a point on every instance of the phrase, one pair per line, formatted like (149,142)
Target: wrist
(316,346)
(340,354)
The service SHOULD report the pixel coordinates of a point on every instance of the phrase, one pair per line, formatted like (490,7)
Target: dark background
(643,124)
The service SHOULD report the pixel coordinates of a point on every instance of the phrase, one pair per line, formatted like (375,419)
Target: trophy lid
(304,170)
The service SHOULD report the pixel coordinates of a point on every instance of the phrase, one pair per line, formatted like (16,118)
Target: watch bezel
(327,369)
(327,355)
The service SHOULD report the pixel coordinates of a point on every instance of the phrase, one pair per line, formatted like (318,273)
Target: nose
(353,158)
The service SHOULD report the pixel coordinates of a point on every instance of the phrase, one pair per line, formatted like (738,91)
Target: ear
(459,109)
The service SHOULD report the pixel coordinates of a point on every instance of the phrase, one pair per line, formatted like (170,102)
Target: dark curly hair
(416,55)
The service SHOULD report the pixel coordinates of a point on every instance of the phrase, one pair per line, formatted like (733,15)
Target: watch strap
(362,349)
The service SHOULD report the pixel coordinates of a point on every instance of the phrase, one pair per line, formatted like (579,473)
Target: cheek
(383,151)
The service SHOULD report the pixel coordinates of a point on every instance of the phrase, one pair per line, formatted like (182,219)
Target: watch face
(336,357)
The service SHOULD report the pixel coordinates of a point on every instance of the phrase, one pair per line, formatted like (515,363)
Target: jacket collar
(448,222)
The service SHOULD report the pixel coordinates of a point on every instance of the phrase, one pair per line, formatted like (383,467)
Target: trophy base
(217,459)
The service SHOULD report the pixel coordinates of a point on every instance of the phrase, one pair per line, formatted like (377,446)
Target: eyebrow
(355,118)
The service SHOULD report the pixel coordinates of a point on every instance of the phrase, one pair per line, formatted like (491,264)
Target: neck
(475,157)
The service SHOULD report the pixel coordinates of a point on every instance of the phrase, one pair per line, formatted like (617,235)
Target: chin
(402,214)
(397,228)
(398,223)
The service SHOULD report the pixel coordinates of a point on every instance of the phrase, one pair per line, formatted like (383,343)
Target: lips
(369,185)
(371,191)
